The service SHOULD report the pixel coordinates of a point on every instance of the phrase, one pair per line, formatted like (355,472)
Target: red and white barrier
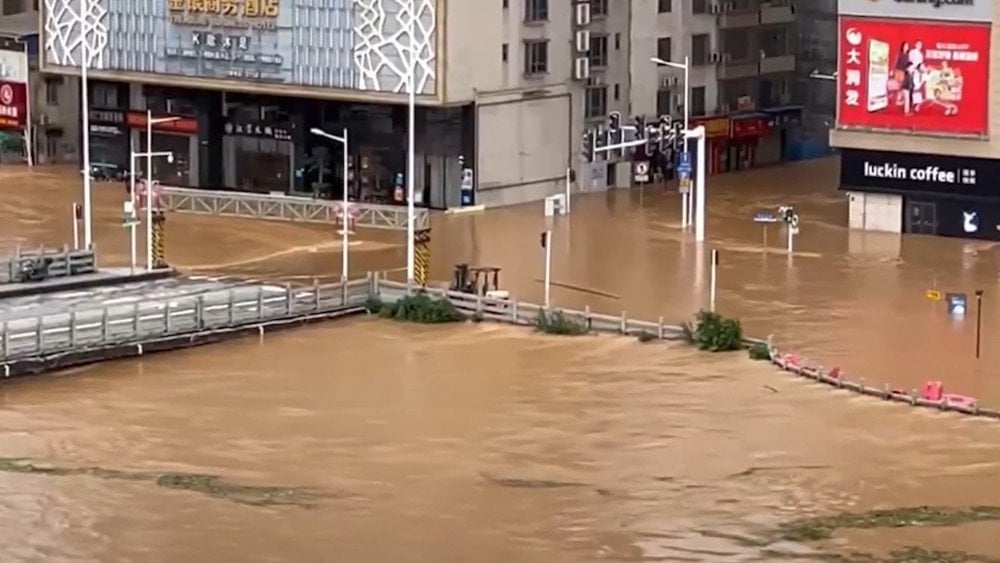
(142,195)
(352,216)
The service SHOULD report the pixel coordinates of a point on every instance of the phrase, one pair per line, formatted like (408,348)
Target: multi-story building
(917,125)
(246,81)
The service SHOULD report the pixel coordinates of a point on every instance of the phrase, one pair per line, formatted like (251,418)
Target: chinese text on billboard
(913,76)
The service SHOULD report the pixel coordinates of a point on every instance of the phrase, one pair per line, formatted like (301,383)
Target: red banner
(13,105)
(914,76)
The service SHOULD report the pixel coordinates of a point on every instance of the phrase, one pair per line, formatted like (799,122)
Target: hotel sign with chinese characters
(246,14)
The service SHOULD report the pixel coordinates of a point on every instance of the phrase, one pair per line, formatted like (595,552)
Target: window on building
(664,102)
(699,6)
(176,173)
(736,43)
(595,101)
(701,47)
(52,86)
(599,8)
(505,4)
(11,7)
(536,10)
(504,52)
(618,92)
(258,164)
(536,57)
(664,48)
(698,100)
(665,6)
(598,51)
(618,41)
(104,96)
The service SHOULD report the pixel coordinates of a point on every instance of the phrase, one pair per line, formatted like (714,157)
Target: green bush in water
(714,333)
(646,336)
(421,308)
(557,322)
(374,305)
(760,352)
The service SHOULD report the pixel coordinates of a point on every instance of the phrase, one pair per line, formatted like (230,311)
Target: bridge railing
(46,263)
(235,308)
(287,208)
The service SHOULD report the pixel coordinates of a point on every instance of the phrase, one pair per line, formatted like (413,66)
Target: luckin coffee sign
(930,173)
(909,172)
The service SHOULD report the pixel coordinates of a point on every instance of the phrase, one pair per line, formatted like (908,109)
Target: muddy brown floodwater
(371,441)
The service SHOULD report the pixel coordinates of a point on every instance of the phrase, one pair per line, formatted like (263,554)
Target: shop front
(717,132)
(751,143)
(14,118)
(922,193)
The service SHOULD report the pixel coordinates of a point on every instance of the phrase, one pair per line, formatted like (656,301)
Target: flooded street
(387,442)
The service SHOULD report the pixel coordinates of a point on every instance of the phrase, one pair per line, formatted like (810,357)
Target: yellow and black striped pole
(159,240)
(421,256)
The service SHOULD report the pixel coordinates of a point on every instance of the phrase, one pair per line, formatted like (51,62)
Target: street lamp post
(686,211)
(344,242)
(150,122)
(88,232)
(149,189)
(698,133)
(411,87)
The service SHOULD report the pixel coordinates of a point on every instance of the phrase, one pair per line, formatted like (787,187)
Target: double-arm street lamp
(343,210)
(686,200)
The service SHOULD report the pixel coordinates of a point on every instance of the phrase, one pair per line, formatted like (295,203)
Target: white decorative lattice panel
(64,20)
(382,45)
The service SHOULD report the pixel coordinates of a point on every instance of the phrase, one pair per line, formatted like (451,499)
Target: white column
(344,241)
(149,190)
(88,233)
(699,186)
(411,144)
(686,197)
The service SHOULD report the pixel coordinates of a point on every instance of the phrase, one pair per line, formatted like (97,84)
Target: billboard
(13,86)
(938,10)
(913,76)
(323,44)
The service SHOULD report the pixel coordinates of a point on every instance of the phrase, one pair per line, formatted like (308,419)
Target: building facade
(247,80)
(916,124)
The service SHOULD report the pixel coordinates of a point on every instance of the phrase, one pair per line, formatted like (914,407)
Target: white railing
(287,208)
(83,329)
(526,314)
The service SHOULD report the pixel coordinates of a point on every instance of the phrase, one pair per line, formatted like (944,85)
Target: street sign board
(765,217)
(957,303)
(641,172)
(129,216)
(684,186)
(684,164)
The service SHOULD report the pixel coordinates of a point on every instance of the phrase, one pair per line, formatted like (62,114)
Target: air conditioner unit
(44,119)
(582,41)
(716,9)
(716,57)
(582,14)
(581,68)
(727,57)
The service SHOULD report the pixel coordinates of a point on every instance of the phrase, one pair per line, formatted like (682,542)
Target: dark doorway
(921,217)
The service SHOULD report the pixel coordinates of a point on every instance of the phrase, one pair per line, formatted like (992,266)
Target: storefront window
(176,173)
(258,164)
(108,147)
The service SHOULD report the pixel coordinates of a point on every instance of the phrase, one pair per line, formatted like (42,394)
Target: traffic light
(640,127)
(665,126)
(615,120)
(587,146)
(652,139)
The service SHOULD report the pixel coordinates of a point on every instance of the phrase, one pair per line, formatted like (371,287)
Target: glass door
(921,217)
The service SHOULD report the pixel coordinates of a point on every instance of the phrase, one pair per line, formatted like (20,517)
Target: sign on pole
(641,172)
(684,169)
(129,216)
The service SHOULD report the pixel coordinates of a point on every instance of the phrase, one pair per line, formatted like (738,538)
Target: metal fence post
(513,311)
(316,297)
(72,328)
(659,328)
(105,326)
(343,293)
(587,318)
(230,307)
(166,317)
(289,299)
(624,324)
(135,320)
(199,313)
(40,334)
(479,304)
(260,302)
(6,339)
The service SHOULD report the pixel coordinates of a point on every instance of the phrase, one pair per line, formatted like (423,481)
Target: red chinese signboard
(13,105)
(913,76)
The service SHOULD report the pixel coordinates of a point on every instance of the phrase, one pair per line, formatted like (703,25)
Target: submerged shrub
(646,336)
(557,322)
(713,332)
(421,308)
(760,352)
(374,305)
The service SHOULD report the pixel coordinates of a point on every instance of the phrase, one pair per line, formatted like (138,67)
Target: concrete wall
(875,212)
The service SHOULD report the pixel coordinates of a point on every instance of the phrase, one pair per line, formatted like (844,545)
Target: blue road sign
(957,304)
(684,164)
(765,217)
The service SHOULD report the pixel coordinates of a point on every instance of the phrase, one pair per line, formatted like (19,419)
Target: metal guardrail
(526,314)
(242,306)
(46,263)
(287,208)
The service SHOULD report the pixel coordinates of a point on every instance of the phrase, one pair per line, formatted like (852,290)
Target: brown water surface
(489,443)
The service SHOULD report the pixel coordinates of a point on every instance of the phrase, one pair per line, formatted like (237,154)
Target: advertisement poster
(13,105)
(920,77)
